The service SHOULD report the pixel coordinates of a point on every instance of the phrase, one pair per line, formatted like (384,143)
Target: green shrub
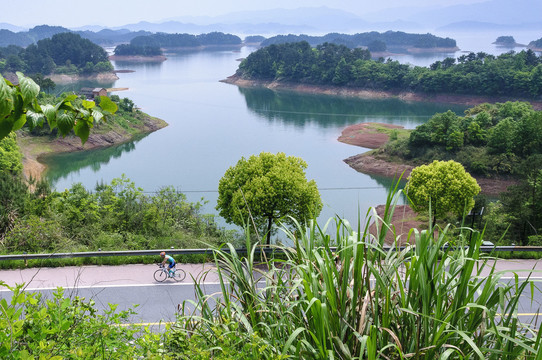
(35,235)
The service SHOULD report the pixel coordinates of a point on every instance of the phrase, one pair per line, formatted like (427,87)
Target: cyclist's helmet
(163,254)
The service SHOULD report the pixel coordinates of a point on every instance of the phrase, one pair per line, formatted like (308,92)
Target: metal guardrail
(484,248)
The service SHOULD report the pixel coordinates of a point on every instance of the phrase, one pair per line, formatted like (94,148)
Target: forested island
(374,41)
(64,53)
(514,75)
(176,41)
(138,52)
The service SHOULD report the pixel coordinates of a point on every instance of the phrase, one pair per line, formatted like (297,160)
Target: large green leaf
(98,116)
(5,127)
(108,105)
(6,98)
(29,89)
(34,119)
(19,122)
(65,122)
(82,130)
(65,104)
(50,113)
(88,104)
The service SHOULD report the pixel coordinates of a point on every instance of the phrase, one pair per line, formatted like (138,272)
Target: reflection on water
(59,166)
(327,111)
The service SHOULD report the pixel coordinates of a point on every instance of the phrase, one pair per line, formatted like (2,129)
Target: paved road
(128,285)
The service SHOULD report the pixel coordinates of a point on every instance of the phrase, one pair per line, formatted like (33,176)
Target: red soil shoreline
(362,135)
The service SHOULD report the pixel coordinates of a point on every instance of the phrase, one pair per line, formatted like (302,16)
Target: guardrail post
(25,260)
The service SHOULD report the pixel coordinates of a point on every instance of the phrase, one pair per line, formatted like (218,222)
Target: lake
(213,124)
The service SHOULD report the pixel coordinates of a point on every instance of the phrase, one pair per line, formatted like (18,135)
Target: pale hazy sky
(74,13)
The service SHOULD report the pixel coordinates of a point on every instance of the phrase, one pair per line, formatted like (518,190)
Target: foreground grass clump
(358,301)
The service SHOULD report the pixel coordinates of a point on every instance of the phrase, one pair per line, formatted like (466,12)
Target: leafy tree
(443,187)
(266,188)
(18,106)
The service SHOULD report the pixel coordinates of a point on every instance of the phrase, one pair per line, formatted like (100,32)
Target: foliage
(163,40)
(266,188)
(254,39)
(362,301)
(18,106)
(132,50)
(388,38)
(115,216)
(12,201)
(518,213)
(33,327)
(10,154)
(441,187)
(512,74)
(59,53)
(491,139)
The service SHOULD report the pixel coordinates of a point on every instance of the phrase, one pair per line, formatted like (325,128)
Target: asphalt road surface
(131,285)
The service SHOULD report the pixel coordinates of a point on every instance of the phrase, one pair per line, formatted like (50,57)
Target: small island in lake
(507,41)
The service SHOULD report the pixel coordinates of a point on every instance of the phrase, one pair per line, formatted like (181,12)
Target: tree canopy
(512,74)
(266,188)
(442,186)
(65,52)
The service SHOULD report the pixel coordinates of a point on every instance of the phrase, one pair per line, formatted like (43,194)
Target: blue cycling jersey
(170,260)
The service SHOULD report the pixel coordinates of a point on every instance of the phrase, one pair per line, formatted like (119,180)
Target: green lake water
(213,124)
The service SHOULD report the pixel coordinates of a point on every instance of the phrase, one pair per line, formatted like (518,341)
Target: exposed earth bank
(33,147)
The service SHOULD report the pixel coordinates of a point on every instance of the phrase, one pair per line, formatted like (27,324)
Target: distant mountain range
(488,15)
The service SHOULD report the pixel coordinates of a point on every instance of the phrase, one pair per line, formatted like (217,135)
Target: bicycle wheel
(160,275)
(180,274)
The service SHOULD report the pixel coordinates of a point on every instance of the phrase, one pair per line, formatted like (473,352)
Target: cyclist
(171,261)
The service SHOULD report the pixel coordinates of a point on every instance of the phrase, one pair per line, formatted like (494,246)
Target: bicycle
(162,274)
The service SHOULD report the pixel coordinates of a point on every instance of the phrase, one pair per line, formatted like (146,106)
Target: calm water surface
(212,125)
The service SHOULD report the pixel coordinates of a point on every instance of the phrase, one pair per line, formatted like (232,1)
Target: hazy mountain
(12,28)
(502,12)
(486,26)
(314,19)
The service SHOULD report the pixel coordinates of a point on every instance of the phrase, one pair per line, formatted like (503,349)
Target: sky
(111,13)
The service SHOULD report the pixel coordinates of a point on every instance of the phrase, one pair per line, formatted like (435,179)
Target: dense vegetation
(491,140)
(511,74)
(134,50)
(392,39)
(359,301)
(62,53)
(164,40)
(114,216)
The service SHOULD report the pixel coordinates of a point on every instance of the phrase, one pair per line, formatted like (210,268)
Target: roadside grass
(360,301)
